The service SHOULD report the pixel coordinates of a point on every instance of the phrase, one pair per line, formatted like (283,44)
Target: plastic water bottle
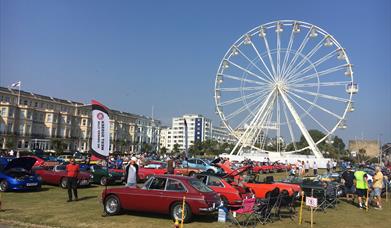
(222,214)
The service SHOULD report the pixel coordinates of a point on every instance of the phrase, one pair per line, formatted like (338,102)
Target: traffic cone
(176,224)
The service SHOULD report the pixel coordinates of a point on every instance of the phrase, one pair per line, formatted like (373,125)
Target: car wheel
(210,171)
(191,174)
(3,186)
(64,182)
(176,212)
(103,181)
(112,205)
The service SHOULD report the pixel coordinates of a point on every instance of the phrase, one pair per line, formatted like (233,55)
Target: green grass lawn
(49,208)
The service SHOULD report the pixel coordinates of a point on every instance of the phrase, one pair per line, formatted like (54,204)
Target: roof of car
(179,177)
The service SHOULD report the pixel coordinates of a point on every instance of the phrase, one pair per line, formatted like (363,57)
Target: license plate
(31,184)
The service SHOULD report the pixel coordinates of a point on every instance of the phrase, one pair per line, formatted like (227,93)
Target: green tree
(163,150)
(58,145)
(10,143)
(175,148)
(145,147)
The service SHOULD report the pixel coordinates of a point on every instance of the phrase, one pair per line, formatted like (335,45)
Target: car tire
(4,186)
(64,183)
(112,205)
(176,211)
(191,174)
(103,181)
(210,171)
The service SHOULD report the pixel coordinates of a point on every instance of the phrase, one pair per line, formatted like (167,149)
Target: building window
(84,122)
(49,118)
(3,111)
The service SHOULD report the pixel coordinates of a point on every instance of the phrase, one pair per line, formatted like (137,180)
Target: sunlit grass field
(49,208)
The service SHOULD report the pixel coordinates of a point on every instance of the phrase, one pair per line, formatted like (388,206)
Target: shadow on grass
(196,218)
(87,198)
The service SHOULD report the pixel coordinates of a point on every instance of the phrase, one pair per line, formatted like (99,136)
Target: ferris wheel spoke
(263,62)
(321,95)
(241,109)
(242,98)
(278,55)
(316,105)
(261,122)
(315,64)
(340,83)
(247,118)
(270,56)
(238,89)
(266,120)
(278,125)
(318,74)
(288,122)
(308,113)
(305,58)
(297,53)
(241,79)
(252,63)
(288,50)
(301,125)
(263,144)
(247,71)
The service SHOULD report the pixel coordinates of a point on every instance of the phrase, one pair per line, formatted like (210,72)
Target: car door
(174,192)
(148,198)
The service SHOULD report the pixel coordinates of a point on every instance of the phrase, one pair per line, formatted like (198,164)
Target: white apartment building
(222,135)
(199,128)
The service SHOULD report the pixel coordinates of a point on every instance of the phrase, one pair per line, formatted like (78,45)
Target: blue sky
(132,55)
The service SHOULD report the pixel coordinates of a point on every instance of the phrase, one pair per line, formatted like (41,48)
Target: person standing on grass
(361,182)
(73,171)
(307,167)
(377,187)
(131,173)
(328,166)
(315,168)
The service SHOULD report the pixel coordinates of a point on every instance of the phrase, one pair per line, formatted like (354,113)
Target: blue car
(201,164)
(16,174)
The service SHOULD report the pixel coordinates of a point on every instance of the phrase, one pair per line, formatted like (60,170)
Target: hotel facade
(40,122)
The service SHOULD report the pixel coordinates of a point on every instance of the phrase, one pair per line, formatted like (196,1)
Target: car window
(197,184)
(158,183)
(175,185)
(199,162)
(191,161)
(214,181)
(202,178)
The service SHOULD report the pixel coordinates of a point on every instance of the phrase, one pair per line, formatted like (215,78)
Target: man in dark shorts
(361,182)
(348,177)
(73,170)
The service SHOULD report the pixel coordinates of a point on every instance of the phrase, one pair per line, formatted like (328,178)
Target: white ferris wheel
(279,80)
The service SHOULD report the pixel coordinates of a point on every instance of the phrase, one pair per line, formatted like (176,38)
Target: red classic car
(149,170)
(262,189)
(42,162)
(57,175)
(263,167)
(163,194)
(231,194)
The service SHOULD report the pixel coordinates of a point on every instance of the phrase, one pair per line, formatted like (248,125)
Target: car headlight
(39,178)
(91,176)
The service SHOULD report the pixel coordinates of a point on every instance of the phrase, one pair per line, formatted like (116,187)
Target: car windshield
(197,184)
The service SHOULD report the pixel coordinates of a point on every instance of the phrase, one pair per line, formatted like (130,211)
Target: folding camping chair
(288,203)
(331,195)
(245,211)
(264,208)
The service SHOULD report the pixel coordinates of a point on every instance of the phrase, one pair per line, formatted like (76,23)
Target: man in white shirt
(131,169)
(315,169)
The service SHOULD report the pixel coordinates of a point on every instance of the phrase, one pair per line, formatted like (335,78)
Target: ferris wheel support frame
(301,126)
